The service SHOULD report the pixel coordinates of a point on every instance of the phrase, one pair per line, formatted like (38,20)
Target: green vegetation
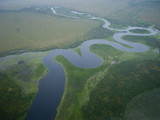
(152,41)
(117,24)
(106,52)
(30,27)
(145,102)
(98,33)
(13,104)
(19,78)
(78,50)
(74,95)
(104,92)
(120,85)
(110,38)
(34,31)
(139,31)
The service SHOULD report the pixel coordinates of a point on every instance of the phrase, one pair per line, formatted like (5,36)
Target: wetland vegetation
(140,31)
(124,83)
(106,93)
(19,80)
(35,31)
(152,41)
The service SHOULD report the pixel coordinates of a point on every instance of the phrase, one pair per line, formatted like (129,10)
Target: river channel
(51,87)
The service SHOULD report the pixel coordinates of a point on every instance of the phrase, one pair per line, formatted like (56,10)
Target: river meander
(51,87)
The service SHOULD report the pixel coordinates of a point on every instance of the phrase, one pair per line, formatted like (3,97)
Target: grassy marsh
(153,41)
(90,94)
(29,30)
(83,88)
(19,80)
(141,31)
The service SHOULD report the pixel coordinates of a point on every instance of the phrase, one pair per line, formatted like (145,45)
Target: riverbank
(84,80)
(19,81)
(81,99)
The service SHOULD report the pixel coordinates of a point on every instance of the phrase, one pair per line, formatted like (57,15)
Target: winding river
(51,87)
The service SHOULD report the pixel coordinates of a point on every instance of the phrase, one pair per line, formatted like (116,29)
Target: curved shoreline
(51,86)
(56,73)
